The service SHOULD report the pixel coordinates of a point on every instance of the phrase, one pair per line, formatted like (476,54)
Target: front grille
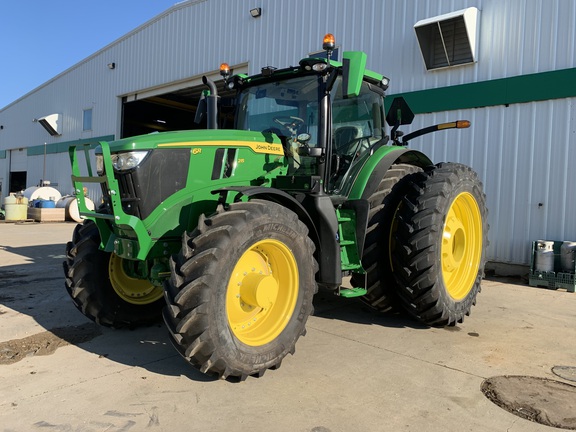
(162,173)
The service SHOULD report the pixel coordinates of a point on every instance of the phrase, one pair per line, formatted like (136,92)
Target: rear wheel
(441,241)
(241,289)
(376,259)
(101,285)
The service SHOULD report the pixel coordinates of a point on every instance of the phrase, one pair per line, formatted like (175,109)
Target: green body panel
(258,159)
(175,139)
(356,64)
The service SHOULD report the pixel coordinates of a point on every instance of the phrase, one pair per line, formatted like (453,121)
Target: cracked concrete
(354,370)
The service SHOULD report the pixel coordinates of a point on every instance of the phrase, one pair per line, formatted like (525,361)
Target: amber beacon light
(329,42)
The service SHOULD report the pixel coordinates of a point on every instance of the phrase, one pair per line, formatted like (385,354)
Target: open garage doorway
(17,181)
(18,170)
(173,107)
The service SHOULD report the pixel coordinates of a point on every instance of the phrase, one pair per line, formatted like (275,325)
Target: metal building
(506,66)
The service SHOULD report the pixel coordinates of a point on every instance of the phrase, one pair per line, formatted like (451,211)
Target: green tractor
(229,234)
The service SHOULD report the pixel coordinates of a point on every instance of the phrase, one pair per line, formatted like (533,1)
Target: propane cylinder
(16,207)
(70,204)
(544,256)
(567,256)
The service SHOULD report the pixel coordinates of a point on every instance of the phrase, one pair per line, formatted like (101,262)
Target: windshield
(265,107)
(289,108)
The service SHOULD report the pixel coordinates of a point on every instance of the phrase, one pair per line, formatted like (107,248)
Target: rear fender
(373,171)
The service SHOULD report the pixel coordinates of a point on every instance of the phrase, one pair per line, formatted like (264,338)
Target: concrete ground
(353,371)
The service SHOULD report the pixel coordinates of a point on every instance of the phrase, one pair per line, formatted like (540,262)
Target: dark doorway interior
(172,111)
(17,181)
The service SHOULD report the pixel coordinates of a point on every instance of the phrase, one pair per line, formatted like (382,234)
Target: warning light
(224,69)
(329,42)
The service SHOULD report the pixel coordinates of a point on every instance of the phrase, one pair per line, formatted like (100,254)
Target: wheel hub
(131,289)
(259,290)
(453,244)
(262,292)
(461,245)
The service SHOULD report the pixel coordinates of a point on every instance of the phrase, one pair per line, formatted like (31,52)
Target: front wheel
(103,287)
(440,244)
(241,289)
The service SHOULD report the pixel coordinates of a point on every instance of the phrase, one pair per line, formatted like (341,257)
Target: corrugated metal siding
(525,156)
(523,153)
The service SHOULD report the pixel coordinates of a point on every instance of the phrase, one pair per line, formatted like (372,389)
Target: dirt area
(47,342)
(541,400)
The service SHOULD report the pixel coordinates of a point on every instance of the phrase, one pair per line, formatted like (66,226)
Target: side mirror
(399,113)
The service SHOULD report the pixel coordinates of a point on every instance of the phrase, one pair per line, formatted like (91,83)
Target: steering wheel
(293,124)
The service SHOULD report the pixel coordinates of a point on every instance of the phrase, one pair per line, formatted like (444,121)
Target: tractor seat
(343,137)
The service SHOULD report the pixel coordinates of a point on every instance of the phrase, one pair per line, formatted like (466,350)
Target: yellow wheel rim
(130,289)
(461,246)
(262,292)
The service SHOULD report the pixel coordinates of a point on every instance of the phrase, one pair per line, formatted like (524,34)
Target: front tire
(101,288)
(441,242)
(241,289)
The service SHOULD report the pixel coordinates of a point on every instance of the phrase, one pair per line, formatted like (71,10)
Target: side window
(357,125)
(87,119)
(356,119)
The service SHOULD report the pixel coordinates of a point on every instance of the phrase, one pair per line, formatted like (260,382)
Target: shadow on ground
(36,289)
(330,306)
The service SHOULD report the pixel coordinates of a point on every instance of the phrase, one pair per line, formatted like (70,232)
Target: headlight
(128,160)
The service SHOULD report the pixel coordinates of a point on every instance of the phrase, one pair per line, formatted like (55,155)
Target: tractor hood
(259,142)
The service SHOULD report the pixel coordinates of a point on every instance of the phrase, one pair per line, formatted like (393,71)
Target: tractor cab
(290,108)
(329,116)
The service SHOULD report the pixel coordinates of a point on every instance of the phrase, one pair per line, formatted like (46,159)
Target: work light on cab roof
(329,42)
(328,45)
(225,72)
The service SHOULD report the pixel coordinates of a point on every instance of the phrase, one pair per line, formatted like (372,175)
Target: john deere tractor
(228,234)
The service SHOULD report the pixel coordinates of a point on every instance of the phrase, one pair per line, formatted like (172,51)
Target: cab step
(352,292)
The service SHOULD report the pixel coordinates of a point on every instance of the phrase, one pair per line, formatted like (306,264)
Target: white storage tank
(46,193)
(16,207)
(70,204)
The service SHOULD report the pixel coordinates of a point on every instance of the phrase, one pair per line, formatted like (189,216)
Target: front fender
(277,196)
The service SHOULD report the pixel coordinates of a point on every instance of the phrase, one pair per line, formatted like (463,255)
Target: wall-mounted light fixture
(52,123)
(256,12)
(112,65)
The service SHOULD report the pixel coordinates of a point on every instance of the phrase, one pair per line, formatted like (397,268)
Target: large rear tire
(241,289)
(101,288)
(441,242)
(376,259)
